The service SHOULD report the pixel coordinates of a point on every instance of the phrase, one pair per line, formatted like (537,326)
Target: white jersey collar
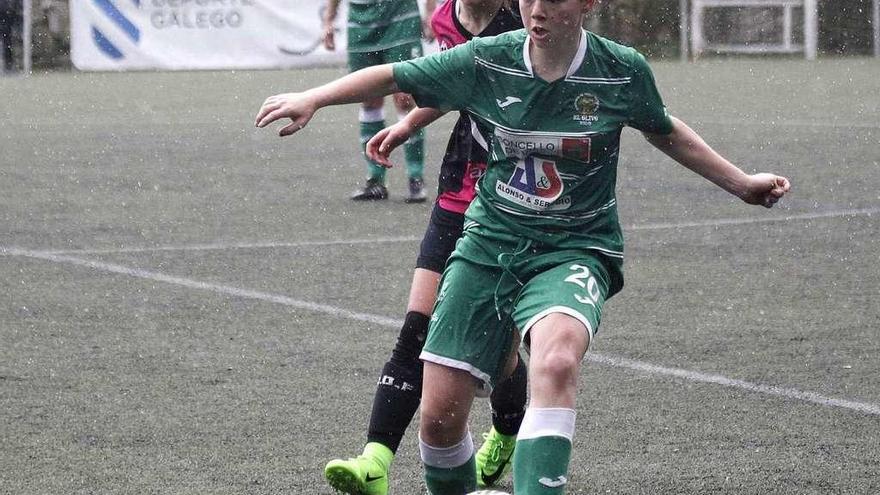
(575,62)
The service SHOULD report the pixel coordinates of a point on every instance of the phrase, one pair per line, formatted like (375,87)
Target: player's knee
(446,402)
(440,428)
(558,344)
(557,366)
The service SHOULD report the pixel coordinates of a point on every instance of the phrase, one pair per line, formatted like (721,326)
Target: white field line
(242,245)
(857,212)
(195,284)
(694,376)
(382,240)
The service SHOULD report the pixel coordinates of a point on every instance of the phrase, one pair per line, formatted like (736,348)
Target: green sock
(451,481)
(368,130)
(414,151)
(540,465)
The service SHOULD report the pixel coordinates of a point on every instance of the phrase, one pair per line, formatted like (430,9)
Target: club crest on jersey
(535,184)
(586,105)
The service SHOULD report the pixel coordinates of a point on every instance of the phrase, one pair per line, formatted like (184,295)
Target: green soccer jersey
(375,25)
(553,146)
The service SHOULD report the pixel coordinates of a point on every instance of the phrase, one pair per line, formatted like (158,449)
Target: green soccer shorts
(399,53)
(492,286)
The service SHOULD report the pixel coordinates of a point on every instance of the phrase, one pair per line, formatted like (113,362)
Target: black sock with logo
(399,390)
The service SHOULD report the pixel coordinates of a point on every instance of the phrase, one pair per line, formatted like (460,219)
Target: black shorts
(444,230)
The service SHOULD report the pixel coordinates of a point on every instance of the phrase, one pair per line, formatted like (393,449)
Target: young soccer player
(399,389)
(542,248)
(381,32)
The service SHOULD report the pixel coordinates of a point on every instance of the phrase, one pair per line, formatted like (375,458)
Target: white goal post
(27,24)
(693,41)
(786,44)
(876,24)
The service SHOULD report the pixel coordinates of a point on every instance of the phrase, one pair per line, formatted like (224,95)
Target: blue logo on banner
(114,15)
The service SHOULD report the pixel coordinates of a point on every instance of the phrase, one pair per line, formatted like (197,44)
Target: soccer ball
(488,492)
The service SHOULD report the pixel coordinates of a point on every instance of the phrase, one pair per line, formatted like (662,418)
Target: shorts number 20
(585,280)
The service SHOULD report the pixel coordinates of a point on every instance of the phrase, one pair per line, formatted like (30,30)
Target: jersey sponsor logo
(586,105)
(577,148)
(521,146)
(510,100)
(554,483)
(535,184)
(537,176)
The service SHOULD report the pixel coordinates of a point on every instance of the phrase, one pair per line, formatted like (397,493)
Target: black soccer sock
(508,401)
(399,390)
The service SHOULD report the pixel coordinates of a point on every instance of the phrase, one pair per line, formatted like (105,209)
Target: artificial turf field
(193,306)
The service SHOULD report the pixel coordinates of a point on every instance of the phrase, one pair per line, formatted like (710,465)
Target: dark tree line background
(650,25)
(653,25)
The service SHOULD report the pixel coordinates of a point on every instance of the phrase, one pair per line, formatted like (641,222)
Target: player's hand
(766,189)
(379,148)
(328,37)
(298,107)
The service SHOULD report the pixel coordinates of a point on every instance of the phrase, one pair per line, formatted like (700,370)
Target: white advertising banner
(200,34)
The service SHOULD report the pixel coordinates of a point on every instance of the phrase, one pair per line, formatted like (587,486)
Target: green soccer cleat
(494,457)
(366,474)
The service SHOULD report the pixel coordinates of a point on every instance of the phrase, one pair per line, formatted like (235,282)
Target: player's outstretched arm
(356,87)
(686,147)
(381,145)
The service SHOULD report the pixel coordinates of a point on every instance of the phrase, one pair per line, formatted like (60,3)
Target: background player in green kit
(542,248)
(382,32)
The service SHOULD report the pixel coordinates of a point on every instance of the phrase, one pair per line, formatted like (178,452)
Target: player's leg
(445,444)
(397,398)
(414,153)
(371,120)
(399,389)
(559,311)
(466,350)
(508,398)
(395,406)
(414,148)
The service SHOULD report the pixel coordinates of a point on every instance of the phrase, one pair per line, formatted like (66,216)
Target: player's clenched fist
(297,107)
(766,189)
